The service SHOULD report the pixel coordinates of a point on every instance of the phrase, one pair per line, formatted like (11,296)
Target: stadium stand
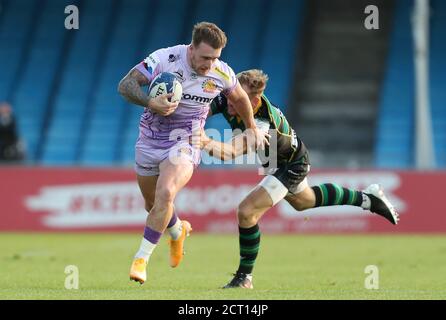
(13,44)
(260,49)
(35,79)
(103,127)
(394,143)
(73,99)
(337,82)
(73,114)
(395,127)
(279,48)
(438,79)
(62,83)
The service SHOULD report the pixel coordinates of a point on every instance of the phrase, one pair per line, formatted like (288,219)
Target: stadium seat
(130,27)
(40,65)
(241,51)
(253,45)
(394,142)
(279,47)
(13,44)
(395,130)
(78,80)
(63,83)
(438,79)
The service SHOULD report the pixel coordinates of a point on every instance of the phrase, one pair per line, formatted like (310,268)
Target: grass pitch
(288,267)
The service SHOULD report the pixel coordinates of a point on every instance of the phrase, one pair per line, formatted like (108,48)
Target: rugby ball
(164,83)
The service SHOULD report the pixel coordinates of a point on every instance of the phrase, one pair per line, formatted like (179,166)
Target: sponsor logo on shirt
(196,98)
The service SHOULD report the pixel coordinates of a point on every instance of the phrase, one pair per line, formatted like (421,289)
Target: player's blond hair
(254,79)
(210,34)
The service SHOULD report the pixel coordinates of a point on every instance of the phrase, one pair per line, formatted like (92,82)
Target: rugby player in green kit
(287,180)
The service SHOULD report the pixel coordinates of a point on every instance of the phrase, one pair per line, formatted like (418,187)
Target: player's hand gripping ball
(165,83)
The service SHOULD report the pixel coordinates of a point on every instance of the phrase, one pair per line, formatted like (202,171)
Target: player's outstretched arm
(239,145)
(130,88)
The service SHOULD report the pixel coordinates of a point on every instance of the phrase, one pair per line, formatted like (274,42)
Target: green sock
(249,240)
(330,194)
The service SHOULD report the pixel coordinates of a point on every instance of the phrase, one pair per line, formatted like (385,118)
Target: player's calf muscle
(302,201)
(300,205)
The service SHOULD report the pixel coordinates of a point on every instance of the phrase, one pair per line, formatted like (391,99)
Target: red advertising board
(74,199)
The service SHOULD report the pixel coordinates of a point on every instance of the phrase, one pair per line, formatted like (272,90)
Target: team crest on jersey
(209,86)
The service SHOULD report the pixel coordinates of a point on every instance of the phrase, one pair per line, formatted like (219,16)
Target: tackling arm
(239,145)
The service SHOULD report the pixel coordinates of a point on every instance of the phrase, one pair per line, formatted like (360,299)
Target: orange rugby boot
(138,270)
(177,246)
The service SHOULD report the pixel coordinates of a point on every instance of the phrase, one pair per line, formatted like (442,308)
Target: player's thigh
(274,187)
(147,185)
(173,177)
(256,202)
(303,200)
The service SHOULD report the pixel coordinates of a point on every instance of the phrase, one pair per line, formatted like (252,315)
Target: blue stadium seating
(202,13)
(12,53)
(267,42)
(394,143)
(241,48)
(13,44)
(124,52)
(108,110)
(36,81)
(279,47)
(395,128)
(73,115)
(438,79)
(77,83)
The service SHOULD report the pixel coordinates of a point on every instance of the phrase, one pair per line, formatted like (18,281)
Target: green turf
(288,267)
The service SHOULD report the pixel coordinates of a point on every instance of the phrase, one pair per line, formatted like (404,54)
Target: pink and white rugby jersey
(198,91)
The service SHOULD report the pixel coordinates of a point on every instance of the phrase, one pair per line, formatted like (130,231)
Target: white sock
(145,249)
(366,202)
(175,230)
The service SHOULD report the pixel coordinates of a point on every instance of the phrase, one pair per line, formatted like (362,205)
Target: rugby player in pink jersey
(164,157)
